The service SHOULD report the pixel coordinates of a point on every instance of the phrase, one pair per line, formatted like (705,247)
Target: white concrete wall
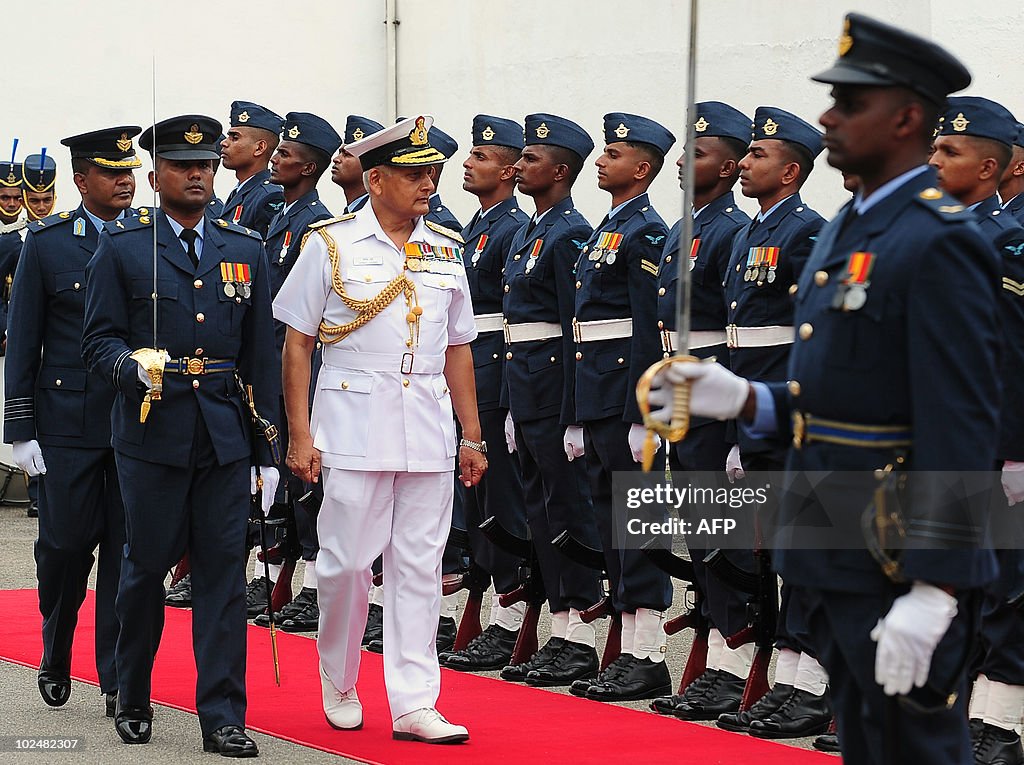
(75,67)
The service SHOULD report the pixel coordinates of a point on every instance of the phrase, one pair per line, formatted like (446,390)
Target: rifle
(692,618)
(587,556)
(476,581)
(762,615)
(530,589)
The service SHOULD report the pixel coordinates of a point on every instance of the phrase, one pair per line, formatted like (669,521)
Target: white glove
(637,436)
(271,478)
(29,457)
(144,375)
(733,464)
(907,637)
(1013,481)
(714,390)
(572,442)
(510,433)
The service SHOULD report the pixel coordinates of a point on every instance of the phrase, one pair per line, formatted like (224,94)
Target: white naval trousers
(405,516)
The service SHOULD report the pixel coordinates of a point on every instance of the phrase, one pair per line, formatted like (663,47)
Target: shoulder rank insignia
(65,214)
(329,221)
(655,239)
(1017,288)
(444,231)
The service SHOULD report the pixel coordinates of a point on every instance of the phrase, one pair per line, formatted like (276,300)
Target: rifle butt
(469,626)
(697,661)
(599,610)
(526,643)
(181,570)
(757,680)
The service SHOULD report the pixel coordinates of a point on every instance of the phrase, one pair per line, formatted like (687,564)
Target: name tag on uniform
(368,260)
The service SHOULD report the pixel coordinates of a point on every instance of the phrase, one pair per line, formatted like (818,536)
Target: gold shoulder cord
(366,310)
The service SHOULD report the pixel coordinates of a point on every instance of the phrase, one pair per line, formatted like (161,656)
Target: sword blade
(686,234)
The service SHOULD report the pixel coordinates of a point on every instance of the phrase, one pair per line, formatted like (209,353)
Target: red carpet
(506,721)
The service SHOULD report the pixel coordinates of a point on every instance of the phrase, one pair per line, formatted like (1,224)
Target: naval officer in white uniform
(386,292)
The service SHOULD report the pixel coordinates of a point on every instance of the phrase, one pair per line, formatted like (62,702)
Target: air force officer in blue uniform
(185,471)
(57,414)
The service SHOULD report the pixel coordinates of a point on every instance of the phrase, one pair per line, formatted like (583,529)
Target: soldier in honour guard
(894,371)
(537,308)
(247,148)
(972,150)
(191,449)
(345,169)
(768,258)
(722,134)
(489,174)
(616,338)
(57,415)
(1012,183)
(307,144)
(385,291)
(39,174)
(440,214)
(13,219)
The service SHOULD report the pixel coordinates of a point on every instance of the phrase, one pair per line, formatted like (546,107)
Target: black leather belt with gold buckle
(203,366)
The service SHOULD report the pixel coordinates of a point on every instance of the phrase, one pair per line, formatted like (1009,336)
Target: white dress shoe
(343,710)
(427,725)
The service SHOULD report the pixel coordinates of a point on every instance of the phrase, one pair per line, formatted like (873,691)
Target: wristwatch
(477,446)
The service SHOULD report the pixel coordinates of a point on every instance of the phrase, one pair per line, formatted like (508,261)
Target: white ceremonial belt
(602,329)
(531,330)
(757,337)
(489,322)
(701,339)
(404,363)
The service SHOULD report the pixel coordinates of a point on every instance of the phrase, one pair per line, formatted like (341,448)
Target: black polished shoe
(305,617)
(995,746)
(574,662)
(488,651)
(643,679)
(739,722)
(230,741)
(619,665)
(33,511)
(666,705)
(134,724)
(286,611)
(801,714)
(374,627)
(54,687)
(517,673)
(256,597)
(180,594)
(446,629)
(720,696)
(827,742)
(110,704)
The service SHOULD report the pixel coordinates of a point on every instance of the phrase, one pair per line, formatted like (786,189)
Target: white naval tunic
(367,414)
(387,443)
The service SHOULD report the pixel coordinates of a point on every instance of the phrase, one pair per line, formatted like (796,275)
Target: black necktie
(472,223)
(530,227)
(231,196)
(189,236)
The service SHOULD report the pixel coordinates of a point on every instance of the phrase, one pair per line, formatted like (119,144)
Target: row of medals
(237,290)
(598,254)
(759,274)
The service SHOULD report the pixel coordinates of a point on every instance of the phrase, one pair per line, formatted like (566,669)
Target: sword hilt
(676,429)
